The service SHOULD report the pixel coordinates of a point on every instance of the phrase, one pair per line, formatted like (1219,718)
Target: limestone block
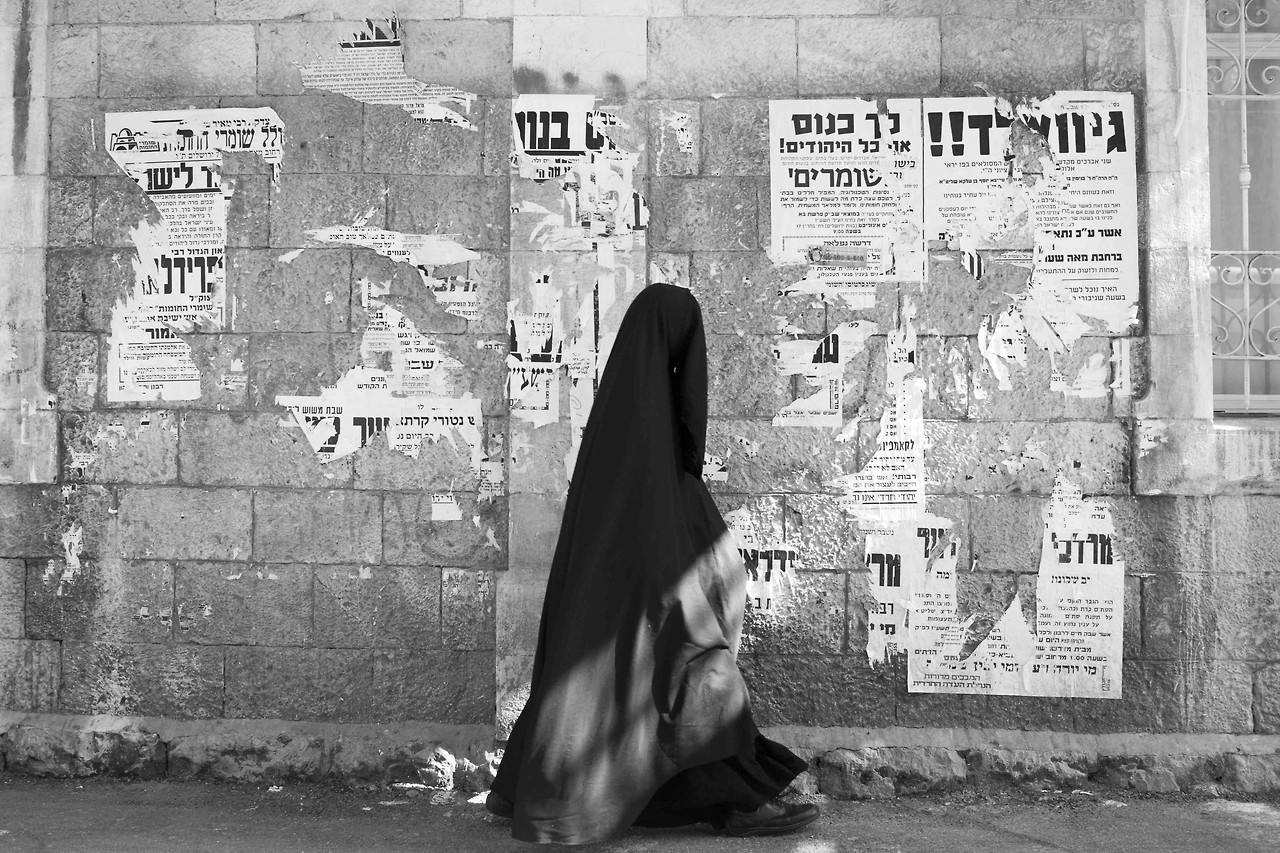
(1077,9)
(945,368)
(1163,534)
(297,364)
(70,211)
(441,465)
(1031,56)
(83,286)
(120,447)
(1024,712)
(131,12)
(1022,766)
(71,369)
(13,583)
(751,57)
(751,8)
(61,753)
(1181,459)
(248,219)
(1032,396)
(221,604)
(808,617)
(815,690)
(1219,695)
(321,133)
(119,204)
(764,458)
(1181,378)
(675,137)
(1024,456)
(397,143)
(268,10)
(74,149)
(743,380)
(317,527)
(225,757)
(977,8)
(851,774)
(467,608)
(183,681)
(475,209)
(1152,700)
(35,519)
(954,303)
(184,523)
(1158,781)
(318,201)
(409,295)
(109,600)
(448,686)
(73,62)
(703,214)
(221,361)
(265,682)
(884,771)
(1178,199)
(1252,774)
(856,56)
(735,137)
(518,606)
(178,60)
(493,123)
(30,673)
(253,449)
(1244,532)
(1266,705)
(931,709)
(738,292)
(411,536)
(471,55)
(826,536)
(1114,59)
(491,8)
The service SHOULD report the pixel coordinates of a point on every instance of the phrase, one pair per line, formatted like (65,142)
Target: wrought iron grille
(1244,152)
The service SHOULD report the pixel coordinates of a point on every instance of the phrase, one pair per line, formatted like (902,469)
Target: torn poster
(434,256)
(370,69)
(1055,182)
(890,487)
(536,351)
(896,555)
(845,194)
(822,364)
(1076,644)
(445,508)
(588,198)
(768,565)
(180,271)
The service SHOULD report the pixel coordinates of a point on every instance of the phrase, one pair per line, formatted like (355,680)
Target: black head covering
(634,677)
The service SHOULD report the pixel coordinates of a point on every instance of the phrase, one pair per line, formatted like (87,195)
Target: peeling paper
(290,257)
(845,194)
(1122,385)
(1075,648)
(175,157)
(445,508)
(370,69)
(822,364)
(1152,434)
(896,554)
(767,564)
(714,469)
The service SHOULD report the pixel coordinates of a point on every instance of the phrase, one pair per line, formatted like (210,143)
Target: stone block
(1163,534)
(1266,700)
(930,710)
(76,146)
(34,520)
(813,690)
(109,600)
(1114,59)
(409,295)
(754,8)
(253,449)
(265,682)
(1152,700)
(294,363)
(519,597)
(534,529)
(446,687)
(826,536)
(537,459)
(488,8)
(70,220)
(955,303)
(175,61)
(734,138)
(131,12)
(744,381)
(183,523)
(945,368)
(474,209)
(1244,532)
(1056,713)
(1177,199)
(439,465)
(674,137)
(150,680)
(1034,57)
(1029,767)
(1007,532)
(247,214)
(738,292)
(851,774)
(317,527)
(73,62)
(119,204)
(1024,456)
(1032,396)
(977,8)
(763,458)
(347,599)
(411,536)
(13,585)
(703,214)
(1251,774)
(28,439)
(1087,9)
(270,10)
(285,46)
(808,616)
(234,757)
(82,286)
(1181,378)
(302,291)
(223,381)
(1219,696)
(120,447)
(859,56)
(467,600)
(397,143)
(71,369)
(471,55)
(760,65)
(30,674)
(1178,279)
(239,604)
(322,134)
(493,123)
(884,771)
(62,753)
(306,202)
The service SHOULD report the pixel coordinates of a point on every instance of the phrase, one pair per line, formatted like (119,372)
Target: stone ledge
(1248,455)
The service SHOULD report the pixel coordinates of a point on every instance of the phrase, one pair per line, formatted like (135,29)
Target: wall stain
(22,89)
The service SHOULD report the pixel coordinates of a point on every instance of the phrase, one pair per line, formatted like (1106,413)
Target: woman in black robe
(637,712)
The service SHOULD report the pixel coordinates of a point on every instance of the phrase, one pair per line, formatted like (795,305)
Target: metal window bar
(1243,69)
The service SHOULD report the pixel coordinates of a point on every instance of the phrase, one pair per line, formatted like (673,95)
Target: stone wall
(203,565)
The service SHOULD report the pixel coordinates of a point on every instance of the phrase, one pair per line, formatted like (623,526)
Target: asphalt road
(103,816)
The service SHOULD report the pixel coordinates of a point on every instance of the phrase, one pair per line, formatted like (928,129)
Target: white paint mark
(290,257)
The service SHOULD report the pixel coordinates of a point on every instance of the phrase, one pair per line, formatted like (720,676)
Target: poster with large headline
(846,194)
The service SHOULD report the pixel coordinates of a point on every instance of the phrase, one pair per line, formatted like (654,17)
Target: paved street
(150,817)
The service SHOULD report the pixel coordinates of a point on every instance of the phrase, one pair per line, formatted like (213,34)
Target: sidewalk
(161,817)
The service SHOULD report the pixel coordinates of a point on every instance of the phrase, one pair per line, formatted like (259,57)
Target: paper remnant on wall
(1075,646)
(175,157)
(822,364)
(370,69)
(845,194)
(897,554)
(444,507)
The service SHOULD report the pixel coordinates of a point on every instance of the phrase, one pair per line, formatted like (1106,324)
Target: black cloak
(637,709)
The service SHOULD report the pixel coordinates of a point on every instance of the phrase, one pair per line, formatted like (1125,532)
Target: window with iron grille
(1244,156)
